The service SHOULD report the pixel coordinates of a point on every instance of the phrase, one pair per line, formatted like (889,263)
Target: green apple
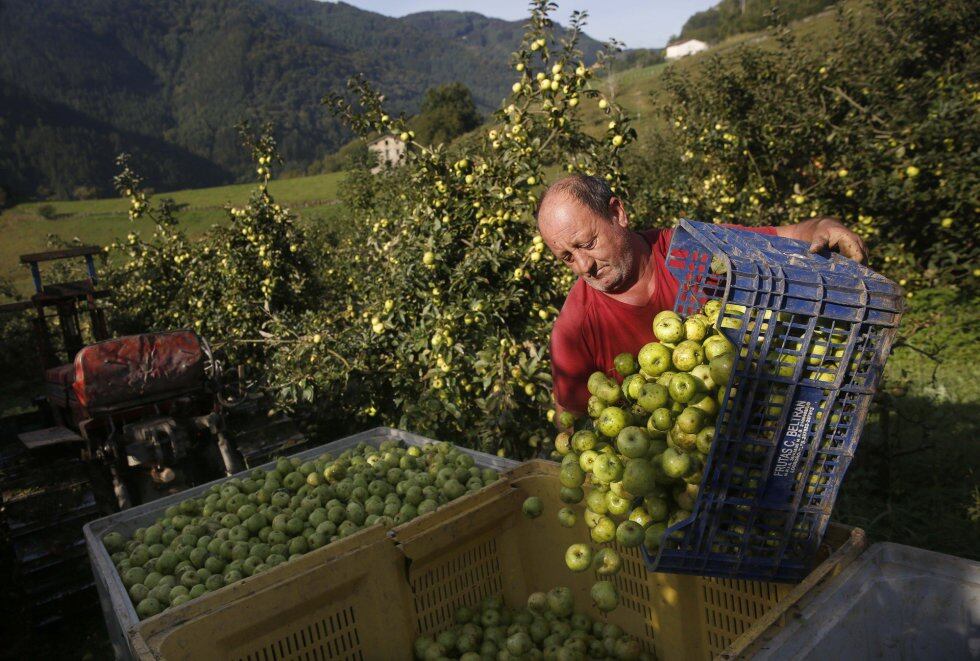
(571,495)
(570,458)
(616,504)
(652,396)
(681,440)
(533,507)
(711,307)
(703,374)
(607,562)
(618,489)
(653,536)
(605,596)
(566,420)
(596,501)
(657,446)
(560,601)
(675,464)
(721,368)
(638,415)
(662,419)
(611,421)
(629,533)
(584,439)
(717,345)
(607,468)
(587,459)
(596,381)
(665,378)
(631,386)
(595,406)
(639,477)
(654,359)
(678,516)
(571,475)
(578,557)
(609,392)
(625,364)
(627,647)
(665,314)
(639,515)
(695,329)
(691,420)
(683,387)
(604,530)
(704,439)
(537,602)
(563,442)
(566,517)
(669,329)
(707,405)
(632,442)
(687,355)
(656,507)
(591,518)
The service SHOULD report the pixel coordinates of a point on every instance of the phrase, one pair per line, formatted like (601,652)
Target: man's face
(597,248)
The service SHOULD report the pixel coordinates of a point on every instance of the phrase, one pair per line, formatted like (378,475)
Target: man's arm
(822,233)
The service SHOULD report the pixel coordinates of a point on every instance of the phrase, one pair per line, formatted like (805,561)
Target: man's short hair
(593,192)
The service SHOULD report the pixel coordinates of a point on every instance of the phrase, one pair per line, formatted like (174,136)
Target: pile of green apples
(245,526)
(638,467)
(548,628)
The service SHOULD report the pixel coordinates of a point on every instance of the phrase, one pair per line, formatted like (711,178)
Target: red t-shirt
(592,328)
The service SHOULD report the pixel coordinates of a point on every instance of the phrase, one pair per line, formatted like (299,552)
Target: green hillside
(101,221)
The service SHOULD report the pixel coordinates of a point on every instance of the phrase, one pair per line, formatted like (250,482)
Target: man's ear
(617,212)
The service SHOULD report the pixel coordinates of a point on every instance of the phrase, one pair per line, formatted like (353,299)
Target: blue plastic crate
(812,333)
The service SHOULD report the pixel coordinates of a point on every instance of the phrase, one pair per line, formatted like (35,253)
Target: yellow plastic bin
(370,600)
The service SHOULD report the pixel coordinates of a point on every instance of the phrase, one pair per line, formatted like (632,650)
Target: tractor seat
(58,384)
(63,375)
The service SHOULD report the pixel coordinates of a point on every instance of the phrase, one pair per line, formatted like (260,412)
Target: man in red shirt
(623,281)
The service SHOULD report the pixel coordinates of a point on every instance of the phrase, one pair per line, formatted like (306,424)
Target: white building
(682,48)
(389,150)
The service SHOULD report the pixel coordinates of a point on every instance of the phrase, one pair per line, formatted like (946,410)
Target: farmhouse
(389,150)
(686,47)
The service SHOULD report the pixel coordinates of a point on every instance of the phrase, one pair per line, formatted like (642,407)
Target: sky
(637,23)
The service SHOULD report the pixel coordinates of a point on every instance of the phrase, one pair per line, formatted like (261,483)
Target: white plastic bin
(894,602)
(120,615)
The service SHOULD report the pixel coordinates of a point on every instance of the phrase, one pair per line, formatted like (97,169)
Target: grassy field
(101,221)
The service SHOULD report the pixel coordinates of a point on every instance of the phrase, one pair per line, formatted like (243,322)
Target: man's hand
(823,233)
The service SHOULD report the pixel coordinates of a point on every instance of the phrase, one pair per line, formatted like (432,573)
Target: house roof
(383,137)
(686,41)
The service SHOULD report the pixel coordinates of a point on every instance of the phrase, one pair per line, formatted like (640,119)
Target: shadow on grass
(914,477)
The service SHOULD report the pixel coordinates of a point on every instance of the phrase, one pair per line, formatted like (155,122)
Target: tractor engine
(145,407)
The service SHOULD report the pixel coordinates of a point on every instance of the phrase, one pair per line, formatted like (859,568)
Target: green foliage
(913,479)
(447,301)
(226,285)
(881,131)
(730,17)
(447,111)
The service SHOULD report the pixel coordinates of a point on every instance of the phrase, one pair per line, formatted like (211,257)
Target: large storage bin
(895,602)
(120,616)
(811,334)
(372,601)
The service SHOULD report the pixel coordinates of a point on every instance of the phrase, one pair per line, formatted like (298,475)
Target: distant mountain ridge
(168,79)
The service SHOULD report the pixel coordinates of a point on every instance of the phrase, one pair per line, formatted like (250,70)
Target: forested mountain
(81,80)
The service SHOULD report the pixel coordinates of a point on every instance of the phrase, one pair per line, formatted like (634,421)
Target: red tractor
(122,421)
